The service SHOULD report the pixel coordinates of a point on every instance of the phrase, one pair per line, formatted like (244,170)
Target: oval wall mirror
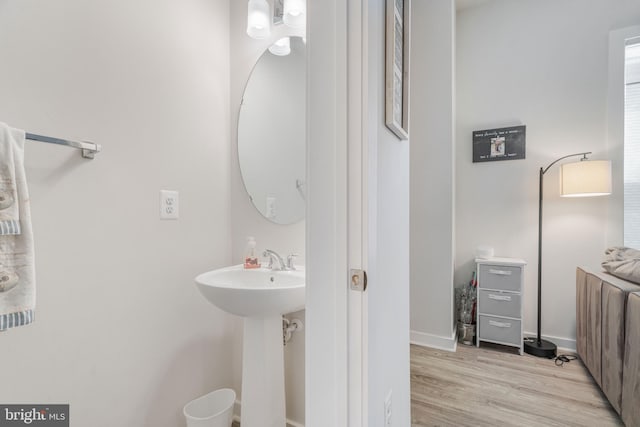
(271,134)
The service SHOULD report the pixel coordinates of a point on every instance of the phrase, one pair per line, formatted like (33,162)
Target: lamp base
(542,348)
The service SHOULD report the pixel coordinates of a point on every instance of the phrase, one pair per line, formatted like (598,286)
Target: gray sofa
(608,338)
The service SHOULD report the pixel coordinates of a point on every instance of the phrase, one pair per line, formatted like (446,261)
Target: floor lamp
(584,178)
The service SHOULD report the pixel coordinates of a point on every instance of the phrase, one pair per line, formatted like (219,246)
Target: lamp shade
(585,178)
(282,47)
(258,19)
(295,13)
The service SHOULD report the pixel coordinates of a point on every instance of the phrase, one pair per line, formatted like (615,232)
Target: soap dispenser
(250,258)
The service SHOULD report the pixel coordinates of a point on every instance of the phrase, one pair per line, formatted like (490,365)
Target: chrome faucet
(282,266)
(273,255)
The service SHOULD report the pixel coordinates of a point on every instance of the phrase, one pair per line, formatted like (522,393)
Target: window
(632,145)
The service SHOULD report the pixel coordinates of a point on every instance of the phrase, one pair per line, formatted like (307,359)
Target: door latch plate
(357,280)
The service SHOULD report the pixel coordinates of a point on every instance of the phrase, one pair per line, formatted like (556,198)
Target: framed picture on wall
(491,145)
(398,45)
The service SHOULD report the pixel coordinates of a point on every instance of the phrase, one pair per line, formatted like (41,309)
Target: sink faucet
(282,266)
(273,255)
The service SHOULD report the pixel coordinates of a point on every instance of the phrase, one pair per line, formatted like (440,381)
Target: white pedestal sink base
(259,295)
(263,398)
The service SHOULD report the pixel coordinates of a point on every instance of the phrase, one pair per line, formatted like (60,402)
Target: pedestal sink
(261,296)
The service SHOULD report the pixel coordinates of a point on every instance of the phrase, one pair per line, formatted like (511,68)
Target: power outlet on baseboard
(388,406)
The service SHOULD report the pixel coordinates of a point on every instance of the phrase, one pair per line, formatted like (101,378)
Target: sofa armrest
(601,303)
(589,322)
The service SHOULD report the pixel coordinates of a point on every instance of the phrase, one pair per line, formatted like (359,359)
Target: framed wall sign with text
(499,144)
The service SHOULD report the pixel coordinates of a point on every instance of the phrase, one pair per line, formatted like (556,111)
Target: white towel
(9,213)
(17,268)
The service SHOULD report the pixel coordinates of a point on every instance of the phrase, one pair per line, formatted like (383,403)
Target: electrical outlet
(169,204)
(388,405)
(271,208)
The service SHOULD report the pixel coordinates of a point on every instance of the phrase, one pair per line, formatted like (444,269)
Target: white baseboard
(442,343)
(237,410)
(434,341)
(564,344)
(450,343)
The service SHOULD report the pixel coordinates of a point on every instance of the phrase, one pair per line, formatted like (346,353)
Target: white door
(335,356)
(357,349)
(358,237)
(326,347)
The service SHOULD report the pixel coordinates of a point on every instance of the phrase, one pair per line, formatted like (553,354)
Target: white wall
(542,64)
(247,221)
(121,332)
(432,172)
(388,291)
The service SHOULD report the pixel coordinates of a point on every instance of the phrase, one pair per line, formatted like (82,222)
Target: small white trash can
(211,410)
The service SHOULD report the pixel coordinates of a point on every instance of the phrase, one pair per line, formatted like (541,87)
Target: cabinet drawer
(503,277)
(499,303)
(505,331)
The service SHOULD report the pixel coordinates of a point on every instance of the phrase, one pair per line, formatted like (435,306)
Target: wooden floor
(495,386)
(489,387)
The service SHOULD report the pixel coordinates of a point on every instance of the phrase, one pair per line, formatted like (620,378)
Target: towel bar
(89,149)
